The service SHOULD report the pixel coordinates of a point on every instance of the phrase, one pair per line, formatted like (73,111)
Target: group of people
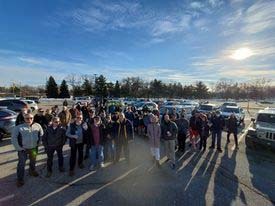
(99,136)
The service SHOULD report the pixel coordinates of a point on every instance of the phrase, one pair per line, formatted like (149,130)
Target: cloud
(257,18)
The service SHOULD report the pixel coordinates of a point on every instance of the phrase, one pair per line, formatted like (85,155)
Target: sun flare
(241,54)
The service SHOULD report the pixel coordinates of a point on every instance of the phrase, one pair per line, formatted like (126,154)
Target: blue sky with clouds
(179,40)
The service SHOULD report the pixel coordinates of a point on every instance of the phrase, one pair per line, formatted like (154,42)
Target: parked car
(262,131)
(35,99)
(82,100)
(238,111)
(225,104)
(207,108)
(146,105)
(15,105)
(31,104)
(7,121)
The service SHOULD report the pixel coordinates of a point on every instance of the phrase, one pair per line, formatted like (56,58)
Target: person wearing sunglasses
(54,140)
(77,133)
(25,139)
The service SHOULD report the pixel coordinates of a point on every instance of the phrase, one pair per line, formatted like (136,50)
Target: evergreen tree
(201,90)
(117,89)
(64,91)
(51,88)
(87,87)
(101,86)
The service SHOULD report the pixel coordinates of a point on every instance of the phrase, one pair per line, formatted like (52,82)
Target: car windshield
(206,107)
(268,118)
(231,110)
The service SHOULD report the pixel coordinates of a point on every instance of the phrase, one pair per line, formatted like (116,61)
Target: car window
(268,118)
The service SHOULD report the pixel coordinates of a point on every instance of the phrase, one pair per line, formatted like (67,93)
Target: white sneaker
(92,168)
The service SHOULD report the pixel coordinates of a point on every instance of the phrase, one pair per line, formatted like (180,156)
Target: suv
(13,104)
(238,111)
(263,129)
(207,108)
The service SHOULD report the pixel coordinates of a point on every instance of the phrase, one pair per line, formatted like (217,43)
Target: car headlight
(251,132)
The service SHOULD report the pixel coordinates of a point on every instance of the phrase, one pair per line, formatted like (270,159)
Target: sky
(174,41)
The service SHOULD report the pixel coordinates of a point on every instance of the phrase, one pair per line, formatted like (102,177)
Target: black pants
(235,137)
(181,142)
(50,154)
(74,149)
(87,151)
(118,145)
(203,140)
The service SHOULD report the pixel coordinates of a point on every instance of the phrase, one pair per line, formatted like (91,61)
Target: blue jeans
(216,135)
(96,155)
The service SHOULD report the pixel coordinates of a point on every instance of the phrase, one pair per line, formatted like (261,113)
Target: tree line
(136,87)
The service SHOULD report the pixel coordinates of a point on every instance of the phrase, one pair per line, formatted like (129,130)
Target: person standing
(96,141)
(204,131)
(77,133)
(154,133)
(232,126)
(54,139)
(194,129)
(109,147)
(182,124)
(65,117)
(41,119)
(169,131)
(20,116)
(123,132)
(217,124)
(25,139)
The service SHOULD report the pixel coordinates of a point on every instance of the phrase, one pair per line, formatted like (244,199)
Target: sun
(241,54)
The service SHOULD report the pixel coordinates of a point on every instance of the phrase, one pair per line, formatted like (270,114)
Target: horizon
(179,41)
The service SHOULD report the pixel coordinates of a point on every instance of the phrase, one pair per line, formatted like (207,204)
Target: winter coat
(182,125)
(154,133)
(54,137)
(26,137)
(172,128)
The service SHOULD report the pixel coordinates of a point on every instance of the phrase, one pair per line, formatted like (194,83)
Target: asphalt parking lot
(234,177)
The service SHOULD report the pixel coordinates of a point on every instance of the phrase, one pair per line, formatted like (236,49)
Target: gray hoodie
(26,137)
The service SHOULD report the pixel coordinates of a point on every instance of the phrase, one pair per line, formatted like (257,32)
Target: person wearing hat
(218,123)
(65,117)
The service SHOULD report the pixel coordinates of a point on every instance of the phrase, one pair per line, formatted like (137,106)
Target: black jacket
(126,124)
(54,137)
(172,128)
(232,124)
